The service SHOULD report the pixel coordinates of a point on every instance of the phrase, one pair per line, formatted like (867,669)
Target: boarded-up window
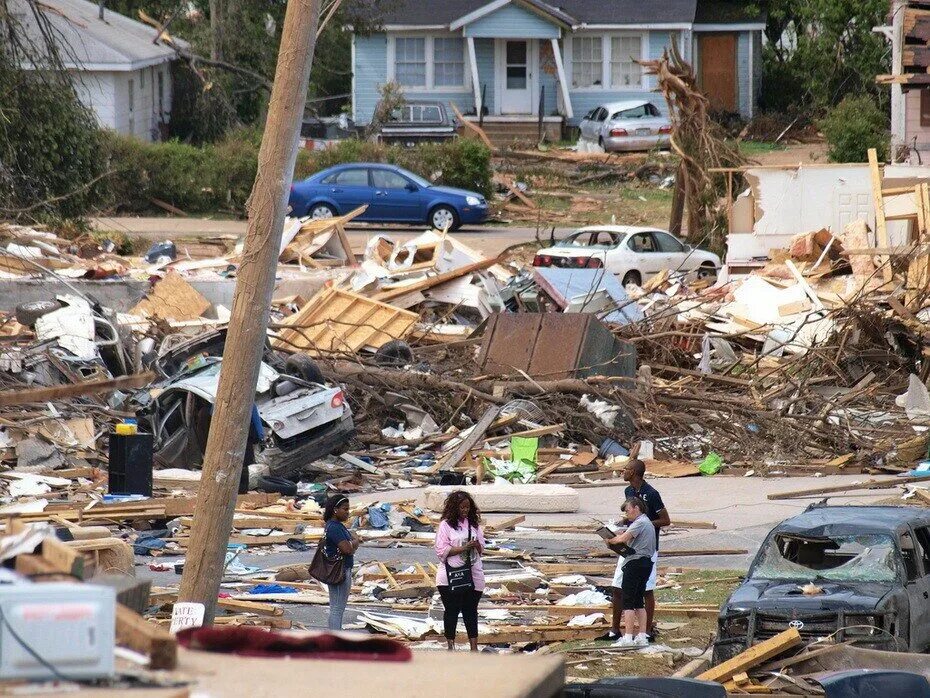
(925,106)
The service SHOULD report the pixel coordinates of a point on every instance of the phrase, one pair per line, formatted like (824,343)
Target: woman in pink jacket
(460,577)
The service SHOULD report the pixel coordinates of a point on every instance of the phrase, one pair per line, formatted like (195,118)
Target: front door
(517,92)
(717,55)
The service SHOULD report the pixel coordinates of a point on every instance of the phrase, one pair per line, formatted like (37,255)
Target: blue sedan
(392,194)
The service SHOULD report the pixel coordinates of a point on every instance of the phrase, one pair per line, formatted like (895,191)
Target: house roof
(581,12)
(86,42)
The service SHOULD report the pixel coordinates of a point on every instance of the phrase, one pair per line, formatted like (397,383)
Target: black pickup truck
(418,122)
(851,573)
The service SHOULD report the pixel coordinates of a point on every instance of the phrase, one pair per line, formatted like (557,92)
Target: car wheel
(444,218)
(632,277)
(28,313)
(302,366)
(395,353)
(707,271)
(321,211)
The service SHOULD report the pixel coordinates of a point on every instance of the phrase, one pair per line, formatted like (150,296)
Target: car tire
(28,313)
(395,353)
(707,271)
(277,485)
(302,366)
(632,277)
(321,211)
(444,217)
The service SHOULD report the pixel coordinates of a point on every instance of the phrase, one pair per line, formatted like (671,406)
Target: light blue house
(517,59)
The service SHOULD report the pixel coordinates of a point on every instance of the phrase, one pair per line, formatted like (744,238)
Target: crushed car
(302,417)
(851,573)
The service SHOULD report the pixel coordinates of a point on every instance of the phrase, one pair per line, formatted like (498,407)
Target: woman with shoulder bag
(333,561)
(460,577)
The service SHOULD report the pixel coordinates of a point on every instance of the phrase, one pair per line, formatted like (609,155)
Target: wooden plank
(867,485)
(473,127)
(529,433)
(57,392)
(505,524)
(136,633)
(435,280)
(753,656)
(469,441)
(881,228)
(261,609)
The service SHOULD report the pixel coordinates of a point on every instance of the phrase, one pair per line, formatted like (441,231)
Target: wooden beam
(753,656)
(436,280)
(473,127)
(867,485)
(470,440)
(567,110)
(136,633)
(881,228)
(56,392)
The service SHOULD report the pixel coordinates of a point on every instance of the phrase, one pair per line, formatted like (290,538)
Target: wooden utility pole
(248,325)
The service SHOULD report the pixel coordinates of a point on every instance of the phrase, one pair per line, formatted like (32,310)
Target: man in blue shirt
(658,514)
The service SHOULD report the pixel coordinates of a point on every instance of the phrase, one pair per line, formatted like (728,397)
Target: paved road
(738,506)
(489,239)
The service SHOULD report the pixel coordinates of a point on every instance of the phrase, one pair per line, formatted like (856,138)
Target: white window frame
(571,79)
(643,50)
(430,63)
(606,61)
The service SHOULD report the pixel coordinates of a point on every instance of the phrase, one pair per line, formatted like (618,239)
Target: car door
(587,124)
(675,256)
(919,592)
(648,259)
(350,188)
(396,198)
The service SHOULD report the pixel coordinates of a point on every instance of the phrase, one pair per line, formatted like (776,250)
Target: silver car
(631,125)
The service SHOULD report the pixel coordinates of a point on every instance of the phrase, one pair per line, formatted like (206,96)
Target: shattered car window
(865,558)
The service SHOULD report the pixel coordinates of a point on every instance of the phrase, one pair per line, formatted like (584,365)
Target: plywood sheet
(172,298)
(337,321)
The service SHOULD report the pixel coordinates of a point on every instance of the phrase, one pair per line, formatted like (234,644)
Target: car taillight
(339,399)
(618,132)
(542,261)
(594,263)
(665,129)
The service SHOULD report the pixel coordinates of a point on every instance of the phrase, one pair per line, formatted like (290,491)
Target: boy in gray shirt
(640,536)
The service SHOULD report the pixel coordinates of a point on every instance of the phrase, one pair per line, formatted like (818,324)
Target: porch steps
(508,133)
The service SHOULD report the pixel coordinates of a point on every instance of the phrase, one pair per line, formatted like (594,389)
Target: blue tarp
(572,283)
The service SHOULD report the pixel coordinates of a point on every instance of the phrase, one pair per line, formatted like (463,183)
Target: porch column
(563,83)
(473,64)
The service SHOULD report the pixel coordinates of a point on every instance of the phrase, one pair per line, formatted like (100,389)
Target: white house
(119,70)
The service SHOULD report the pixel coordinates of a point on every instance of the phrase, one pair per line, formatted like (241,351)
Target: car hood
(453,191)
(779,595)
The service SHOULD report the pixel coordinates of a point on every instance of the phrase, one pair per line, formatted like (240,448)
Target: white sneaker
(626,642)
(641,640)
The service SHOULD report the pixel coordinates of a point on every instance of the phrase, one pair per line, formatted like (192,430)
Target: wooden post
(881,228)
(245,341)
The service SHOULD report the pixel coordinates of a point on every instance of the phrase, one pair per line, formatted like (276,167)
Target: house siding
(512,22)
(915,135)
(744,96)
(370,71)
(95,90)
(484,55)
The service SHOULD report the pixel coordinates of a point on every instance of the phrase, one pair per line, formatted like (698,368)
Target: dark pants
(456,602)
(635,575)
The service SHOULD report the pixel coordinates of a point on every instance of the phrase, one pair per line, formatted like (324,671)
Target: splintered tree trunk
(217,29)
(248,325)
(678,202)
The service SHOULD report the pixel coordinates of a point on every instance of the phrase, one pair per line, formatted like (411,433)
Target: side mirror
(412,188)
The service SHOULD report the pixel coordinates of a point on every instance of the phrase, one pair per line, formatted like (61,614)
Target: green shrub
(852,127)
(219,176)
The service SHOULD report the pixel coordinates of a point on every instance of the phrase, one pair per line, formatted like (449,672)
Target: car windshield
(862,558)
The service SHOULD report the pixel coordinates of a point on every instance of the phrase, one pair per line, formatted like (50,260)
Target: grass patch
(623,204)
(750,148)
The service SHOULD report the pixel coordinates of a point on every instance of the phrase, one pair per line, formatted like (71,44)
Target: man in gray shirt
(640,536)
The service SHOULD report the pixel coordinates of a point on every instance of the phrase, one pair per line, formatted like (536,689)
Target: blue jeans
(338,598)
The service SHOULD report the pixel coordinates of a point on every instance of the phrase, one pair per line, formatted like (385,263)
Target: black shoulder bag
(460,578)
